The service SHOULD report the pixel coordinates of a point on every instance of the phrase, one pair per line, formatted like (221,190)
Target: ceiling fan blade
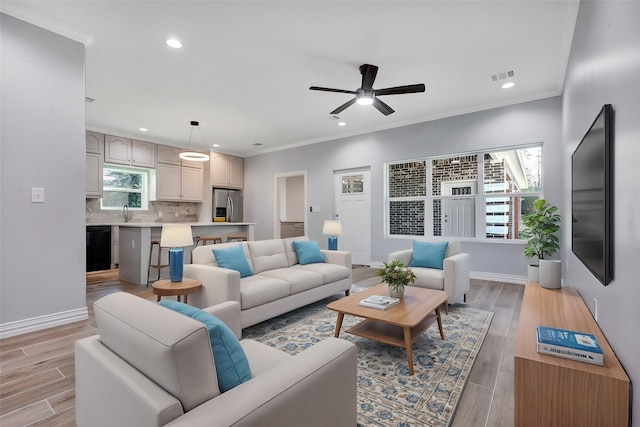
(327,89)
(343,107)
(368,76)
(400,90)
(382,107)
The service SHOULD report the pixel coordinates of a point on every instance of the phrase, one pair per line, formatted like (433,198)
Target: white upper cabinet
(123,151)
(94,142)
(178,183)
(168,155)
(93,170)
(143,154)
(226,171)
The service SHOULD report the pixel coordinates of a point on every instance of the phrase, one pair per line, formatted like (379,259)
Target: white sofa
(453,278)
(151,366)
(279,284)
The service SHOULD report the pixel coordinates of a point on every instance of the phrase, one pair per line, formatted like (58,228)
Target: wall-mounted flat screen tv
(592,197)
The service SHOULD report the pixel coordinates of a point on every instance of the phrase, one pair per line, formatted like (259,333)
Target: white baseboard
(20,327)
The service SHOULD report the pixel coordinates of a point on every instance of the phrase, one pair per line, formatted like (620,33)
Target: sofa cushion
(203,255)
(233,258)
(308,252)
(330,272)
(267,254)
(430,278)
(259,289)
(232,366)
(428,255)
(299,280)
(173,350)
(262,357)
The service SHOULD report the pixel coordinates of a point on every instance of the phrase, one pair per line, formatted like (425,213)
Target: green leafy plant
(396,274)
(540,230)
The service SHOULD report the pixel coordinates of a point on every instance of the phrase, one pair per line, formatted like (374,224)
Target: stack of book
(569,344)
(379,302)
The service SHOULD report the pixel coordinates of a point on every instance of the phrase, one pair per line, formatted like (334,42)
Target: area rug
(387,394)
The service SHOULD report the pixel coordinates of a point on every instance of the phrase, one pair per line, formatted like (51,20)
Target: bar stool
(206,239)
(159,265)
(237,236)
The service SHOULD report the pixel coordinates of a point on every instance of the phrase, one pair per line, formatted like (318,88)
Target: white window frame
(144,191)
(480,195)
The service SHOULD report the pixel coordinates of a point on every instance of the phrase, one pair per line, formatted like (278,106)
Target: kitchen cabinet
(178,183)
(171,156)
(291,229)
(94,142)
(123,151)
(93,169)
(226,171)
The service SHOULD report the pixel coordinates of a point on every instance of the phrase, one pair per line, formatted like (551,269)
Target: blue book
(569,344)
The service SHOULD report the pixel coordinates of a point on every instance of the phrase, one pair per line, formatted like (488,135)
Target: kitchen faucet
(125,211)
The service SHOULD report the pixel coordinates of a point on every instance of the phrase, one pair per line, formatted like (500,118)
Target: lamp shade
(176,235)
(332,227)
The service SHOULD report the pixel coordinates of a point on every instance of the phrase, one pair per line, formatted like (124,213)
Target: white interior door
(352,206)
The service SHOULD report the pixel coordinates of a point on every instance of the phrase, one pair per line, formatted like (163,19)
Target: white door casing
(353,208)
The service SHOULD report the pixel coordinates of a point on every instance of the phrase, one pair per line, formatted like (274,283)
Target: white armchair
(453,278)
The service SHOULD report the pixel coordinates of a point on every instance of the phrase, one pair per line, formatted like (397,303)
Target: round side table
(167,288)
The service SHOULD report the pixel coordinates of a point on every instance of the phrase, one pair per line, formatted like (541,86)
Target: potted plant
(540,231)
(396,276)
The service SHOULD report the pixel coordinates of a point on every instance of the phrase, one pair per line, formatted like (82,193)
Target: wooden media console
(553,391)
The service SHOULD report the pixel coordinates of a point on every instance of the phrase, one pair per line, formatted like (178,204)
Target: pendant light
(193,155)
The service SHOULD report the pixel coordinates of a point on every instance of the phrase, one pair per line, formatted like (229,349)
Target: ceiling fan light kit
(193,156)
(367,95)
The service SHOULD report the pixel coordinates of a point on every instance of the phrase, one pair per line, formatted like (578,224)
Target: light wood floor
(37,378)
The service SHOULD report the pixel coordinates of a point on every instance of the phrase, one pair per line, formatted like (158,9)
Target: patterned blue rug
(387,394)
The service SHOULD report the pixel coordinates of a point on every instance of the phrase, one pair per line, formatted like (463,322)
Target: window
(125,186)
(471,195)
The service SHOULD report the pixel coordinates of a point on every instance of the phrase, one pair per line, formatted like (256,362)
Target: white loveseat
(151,366)
(279,283)
(453,278)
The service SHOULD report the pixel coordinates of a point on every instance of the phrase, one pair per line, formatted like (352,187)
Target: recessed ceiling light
(174,43)
(216,145)
(508,85)
(342,124)
(144,129)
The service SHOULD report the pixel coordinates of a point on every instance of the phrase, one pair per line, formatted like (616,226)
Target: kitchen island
(135,245)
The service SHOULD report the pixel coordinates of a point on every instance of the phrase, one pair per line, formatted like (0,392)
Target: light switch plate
(37,195)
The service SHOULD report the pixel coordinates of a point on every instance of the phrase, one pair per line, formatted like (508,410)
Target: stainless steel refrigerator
(227,204)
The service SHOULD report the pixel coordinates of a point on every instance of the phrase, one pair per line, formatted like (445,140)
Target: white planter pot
(550,273)
(533,272)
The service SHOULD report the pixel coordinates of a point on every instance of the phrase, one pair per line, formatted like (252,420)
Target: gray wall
(536,121)
(43,244)
(604,68)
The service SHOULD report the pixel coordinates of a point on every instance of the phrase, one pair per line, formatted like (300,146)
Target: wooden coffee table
(400,325)
(167,288)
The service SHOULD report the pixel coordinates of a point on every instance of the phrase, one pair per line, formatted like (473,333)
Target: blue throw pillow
(428,255)
(308,252)
(233,258)
(232,366)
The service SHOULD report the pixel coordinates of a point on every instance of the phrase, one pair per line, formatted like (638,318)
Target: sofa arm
(404,256)
(229,313)
(110,392)
(315,388)
(456,276)
(218,285)
(337,257)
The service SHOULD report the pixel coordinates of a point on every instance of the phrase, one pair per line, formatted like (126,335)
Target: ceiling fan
(367,95)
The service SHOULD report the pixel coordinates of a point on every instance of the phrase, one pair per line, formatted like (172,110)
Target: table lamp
(333,228)
(176,236)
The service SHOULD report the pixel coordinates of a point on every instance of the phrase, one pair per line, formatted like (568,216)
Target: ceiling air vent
(502,75)
(257,144)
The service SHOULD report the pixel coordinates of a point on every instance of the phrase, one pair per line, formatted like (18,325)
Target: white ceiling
(246,66)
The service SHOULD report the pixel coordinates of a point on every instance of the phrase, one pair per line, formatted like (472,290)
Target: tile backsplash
(171,212)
